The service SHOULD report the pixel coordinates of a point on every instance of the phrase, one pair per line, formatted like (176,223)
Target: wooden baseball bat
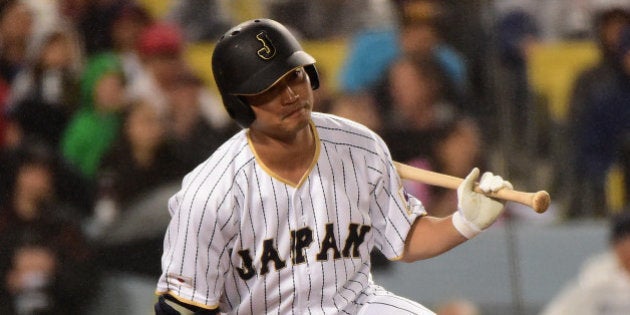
(539,201)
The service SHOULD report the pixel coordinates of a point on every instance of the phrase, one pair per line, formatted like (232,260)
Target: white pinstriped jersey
(244,239)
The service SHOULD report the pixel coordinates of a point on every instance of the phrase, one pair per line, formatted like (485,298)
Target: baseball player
(282,217)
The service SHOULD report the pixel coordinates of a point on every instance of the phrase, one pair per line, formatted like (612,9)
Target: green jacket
(90,133)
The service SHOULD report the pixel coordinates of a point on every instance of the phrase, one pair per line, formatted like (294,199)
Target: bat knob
(541,201)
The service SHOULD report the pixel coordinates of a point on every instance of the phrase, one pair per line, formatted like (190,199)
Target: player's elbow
(413,256)
(408,259)
(415,251)
(430,237)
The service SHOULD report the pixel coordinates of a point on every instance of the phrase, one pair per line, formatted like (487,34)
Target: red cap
(160,39)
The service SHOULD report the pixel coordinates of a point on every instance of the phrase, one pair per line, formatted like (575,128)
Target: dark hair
(603,17)
(624,41)
(5,6)
(188,78)
(35,152)
(620,226)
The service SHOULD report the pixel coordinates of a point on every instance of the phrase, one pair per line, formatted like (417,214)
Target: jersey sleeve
(195,254)
(392,209)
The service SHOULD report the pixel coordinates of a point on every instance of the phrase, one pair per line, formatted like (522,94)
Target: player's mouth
(301,110)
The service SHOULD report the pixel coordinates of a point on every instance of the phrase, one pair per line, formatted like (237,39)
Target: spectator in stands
(135,178)
(45,93)
(603,284)
(517,32)
(624,164)
(359,107)
(44,257)
(73,11)
(201,20)
(93,21)
(4,123)
(599,115)
(71,188)
(139,162)
(142,157)
(161,50)
(424,128)
(560,20)
(422,22)
(193,131)
(330,19)
(16,25)
(95,126)
(457,306)
(129,22)
(373,50)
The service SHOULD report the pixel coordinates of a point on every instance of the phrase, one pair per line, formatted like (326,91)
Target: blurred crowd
(101,115)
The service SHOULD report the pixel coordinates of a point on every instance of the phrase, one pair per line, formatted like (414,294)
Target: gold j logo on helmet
(267,51)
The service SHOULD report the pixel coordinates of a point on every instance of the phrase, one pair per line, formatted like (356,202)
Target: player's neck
(282,142)
(289,159)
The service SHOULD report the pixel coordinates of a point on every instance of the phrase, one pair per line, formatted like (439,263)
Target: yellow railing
(552,70)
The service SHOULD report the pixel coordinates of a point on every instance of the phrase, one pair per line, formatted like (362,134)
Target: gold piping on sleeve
(186,301)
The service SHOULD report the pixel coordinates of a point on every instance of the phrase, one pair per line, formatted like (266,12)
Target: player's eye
(296,75)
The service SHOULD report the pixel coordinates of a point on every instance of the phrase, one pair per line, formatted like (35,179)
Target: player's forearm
(429,237)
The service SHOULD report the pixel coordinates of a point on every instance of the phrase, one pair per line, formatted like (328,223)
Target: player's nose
(289,96)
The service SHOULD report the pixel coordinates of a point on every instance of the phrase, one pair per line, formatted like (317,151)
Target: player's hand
(476,211)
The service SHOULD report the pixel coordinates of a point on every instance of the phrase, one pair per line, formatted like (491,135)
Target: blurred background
(106,104)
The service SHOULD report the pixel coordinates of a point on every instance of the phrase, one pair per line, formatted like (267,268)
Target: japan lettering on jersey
(243,239)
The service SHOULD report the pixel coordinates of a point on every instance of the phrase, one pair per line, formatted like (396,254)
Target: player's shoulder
(599,269)
(329,125)
(233,151)
(339,131)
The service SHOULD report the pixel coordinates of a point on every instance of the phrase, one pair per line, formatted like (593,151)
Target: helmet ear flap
(313,76)
(238,109)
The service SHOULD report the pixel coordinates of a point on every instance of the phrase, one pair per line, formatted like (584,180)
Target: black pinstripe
(319,239)
(321,264)
(286,191)
(275,198)
(336,212)
(308,264)
(264,214)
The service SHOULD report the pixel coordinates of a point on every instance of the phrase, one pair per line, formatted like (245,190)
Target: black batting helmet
(251,57)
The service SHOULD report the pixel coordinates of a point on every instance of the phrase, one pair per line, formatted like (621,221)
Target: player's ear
(238,109)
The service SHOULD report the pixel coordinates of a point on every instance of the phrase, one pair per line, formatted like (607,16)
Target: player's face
(285,108)
(622,248)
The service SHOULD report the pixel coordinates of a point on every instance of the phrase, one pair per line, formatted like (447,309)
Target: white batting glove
(476,211)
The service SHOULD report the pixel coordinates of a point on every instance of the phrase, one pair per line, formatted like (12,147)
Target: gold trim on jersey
(308,171)
(186,301)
